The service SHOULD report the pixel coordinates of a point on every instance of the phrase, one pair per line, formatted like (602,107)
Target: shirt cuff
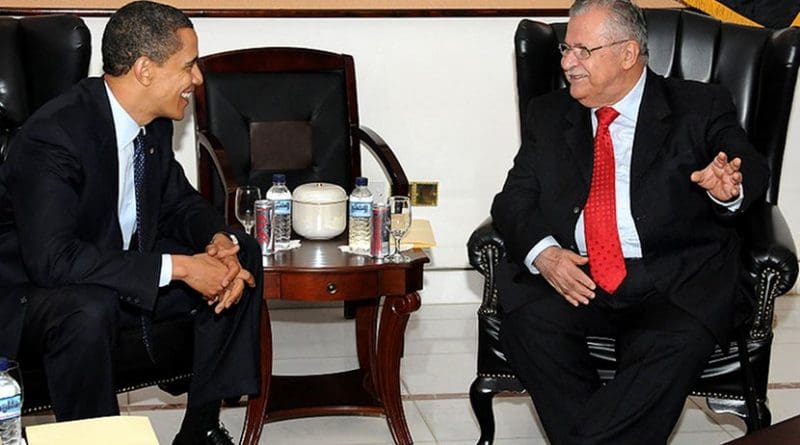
(546,242)
(732,206)
(166,270)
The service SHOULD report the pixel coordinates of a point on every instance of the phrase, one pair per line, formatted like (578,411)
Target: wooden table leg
(257,405)
(394,317)
(366,314)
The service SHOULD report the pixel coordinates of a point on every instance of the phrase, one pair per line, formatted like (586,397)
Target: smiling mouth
(574,77)
(187,95)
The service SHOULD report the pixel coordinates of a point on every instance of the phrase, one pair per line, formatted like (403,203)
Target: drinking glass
(399,223)
(246,197)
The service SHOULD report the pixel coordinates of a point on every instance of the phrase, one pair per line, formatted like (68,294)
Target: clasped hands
(216,274)
(721,178)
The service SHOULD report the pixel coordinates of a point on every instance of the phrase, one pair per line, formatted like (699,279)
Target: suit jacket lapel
(652,128)
(579,140)
(107,154)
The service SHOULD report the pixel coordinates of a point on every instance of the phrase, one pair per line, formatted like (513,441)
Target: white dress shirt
(622,130)
(126,129)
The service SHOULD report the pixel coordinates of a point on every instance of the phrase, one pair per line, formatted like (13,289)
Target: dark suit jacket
(58,207)
(689,246)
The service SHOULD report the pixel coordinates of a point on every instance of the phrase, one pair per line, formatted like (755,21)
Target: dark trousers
(72,330)
(660,351)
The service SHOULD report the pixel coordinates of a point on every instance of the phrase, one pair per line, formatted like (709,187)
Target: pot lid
(319,193)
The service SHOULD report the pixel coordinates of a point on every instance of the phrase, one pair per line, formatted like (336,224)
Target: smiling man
(100,230)
(615,218)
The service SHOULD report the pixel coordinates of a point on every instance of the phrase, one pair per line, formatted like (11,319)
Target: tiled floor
(437,369)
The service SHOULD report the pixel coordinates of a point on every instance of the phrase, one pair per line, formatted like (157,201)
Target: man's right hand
(560,268)
(201,272)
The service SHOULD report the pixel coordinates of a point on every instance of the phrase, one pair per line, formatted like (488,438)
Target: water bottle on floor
(10,406)
(281,197)
(360,218)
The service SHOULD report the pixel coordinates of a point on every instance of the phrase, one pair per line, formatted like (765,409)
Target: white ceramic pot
(319,210)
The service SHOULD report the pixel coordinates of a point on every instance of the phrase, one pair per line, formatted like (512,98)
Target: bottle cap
(361,181)
(3,364)
(279,178)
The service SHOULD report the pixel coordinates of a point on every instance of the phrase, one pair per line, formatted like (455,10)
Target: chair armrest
(485,248)
(211,154)
(386,158)
(770,259)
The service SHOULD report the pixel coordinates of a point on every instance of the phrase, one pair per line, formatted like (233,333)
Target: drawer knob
(331,288)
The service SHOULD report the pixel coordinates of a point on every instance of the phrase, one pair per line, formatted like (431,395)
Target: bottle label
(362,209)
(10,407)
(283,207)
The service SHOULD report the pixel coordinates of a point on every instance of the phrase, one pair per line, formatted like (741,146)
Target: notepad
(113,430)
(420,234)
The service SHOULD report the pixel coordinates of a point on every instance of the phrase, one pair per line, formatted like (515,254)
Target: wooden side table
(318,271)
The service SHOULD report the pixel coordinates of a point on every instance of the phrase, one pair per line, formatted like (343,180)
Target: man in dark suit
(616,218)
(100,229)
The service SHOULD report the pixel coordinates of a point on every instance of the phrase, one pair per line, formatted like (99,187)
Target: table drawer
(328,286)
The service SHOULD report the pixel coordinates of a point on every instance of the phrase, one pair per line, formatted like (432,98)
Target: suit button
(152,150)
(576,210)
(23,300)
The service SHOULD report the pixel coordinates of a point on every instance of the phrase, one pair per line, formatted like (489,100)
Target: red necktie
(600,215)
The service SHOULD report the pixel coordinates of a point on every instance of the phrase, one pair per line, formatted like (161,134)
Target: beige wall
(441,91)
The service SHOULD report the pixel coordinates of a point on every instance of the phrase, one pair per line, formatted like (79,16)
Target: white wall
(441,92)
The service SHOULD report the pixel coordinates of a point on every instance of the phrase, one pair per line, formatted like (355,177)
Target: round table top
(325,255)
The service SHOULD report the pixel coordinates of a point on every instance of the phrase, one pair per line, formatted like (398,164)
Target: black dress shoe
(218,435)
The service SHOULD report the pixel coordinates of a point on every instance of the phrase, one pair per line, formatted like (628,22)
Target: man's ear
(630,54)
(143,70)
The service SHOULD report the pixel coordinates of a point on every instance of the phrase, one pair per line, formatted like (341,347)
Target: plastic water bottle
(281,198)
(10,407)
(360,218)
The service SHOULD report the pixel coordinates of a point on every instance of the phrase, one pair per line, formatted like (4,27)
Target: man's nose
(568,60)
(197,75)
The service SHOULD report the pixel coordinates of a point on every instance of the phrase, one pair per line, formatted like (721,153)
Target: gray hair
(626,20)
(141,28)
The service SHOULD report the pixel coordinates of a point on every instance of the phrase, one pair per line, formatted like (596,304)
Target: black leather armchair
(759,67)
(282,110)
(40,57)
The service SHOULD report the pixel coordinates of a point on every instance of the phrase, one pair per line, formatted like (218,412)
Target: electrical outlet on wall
(424,193)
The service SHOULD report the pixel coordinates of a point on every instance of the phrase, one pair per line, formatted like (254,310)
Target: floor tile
(784,363)
(698,438)
(453,420)
(153,396)
(437,374)
(784,403)
(331,430)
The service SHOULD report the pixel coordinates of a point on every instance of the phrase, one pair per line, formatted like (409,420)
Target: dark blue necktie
(138,185)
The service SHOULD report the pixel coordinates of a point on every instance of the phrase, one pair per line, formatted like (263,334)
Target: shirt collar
(125,128)
(628,106)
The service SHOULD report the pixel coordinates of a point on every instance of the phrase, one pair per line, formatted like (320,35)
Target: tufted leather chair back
(281,110)
(757,65)
(40,57)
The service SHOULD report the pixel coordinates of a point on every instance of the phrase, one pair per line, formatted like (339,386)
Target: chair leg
(758,415)
(480,396)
